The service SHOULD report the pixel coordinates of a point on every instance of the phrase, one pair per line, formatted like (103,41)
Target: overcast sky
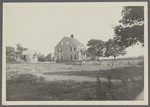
(40,26)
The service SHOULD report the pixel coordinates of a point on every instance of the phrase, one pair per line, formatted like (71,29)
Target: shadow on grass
(117,73)
(26,87)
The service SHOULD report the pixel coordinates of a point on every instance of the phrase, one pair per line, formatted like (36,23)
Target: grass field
(51,81)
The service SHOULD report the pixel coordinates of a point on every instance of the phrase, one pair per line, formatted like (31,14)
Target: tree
(96,47)
(10,54)
(113,49)
(41,58)
(132,15)
(132,30)
(20,50)
(91,52)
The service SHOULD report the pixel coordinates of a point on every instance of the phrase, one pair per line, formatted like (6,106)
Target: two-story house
(70,49)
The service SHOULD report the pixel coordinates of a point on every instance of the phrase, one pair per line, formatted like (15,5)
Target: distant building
(69,49)
(49,57)
(30,56)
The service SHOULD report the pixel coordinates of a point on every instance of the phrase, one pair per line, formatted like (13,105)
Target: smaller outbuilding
(30,56)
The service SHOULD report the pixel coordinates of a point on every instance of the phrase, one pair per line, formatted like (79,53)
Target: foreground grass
(27,87)
(117,73)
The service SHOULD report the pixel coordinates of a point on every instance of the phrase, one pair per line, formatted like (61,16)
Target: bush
(92,58)
(41,58)
(140,63)
(101,92)
(11,60)
(59,61)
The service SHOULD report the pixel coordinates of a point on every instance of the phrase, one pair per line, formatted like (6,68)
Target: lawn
(58,82)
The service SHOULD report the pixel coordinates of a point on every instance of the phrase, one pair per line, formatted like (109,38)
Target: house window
(58,57)
(71,57)
(74,56)
(61,57)
(71,48)
(61,43)
(59,50)
(74,48)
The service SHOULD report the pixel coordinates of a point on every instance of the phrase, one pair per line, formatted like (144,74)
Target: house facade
(70,49)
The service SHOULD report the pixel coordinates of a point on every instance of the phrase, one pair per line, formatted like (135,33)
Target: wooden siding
(63,49)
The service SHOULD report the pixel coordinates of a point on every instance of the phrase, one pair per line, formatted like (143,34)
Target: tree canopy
(100,48)
(132,30)
(128,36)
(20,50)
(96,47)
(132,15)
(113,49)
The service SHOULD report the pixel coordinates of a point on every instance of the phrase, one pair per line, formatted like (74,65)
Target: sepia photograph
(81,53)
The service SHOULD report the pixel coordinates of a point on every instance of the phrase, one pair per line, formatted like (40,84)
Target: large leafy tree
(132,15)
(132,29)
(96,47)
(91,52)
(113,49)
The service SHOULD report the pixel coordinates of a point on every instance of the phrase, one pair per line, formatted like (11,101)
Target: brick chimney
(72,36)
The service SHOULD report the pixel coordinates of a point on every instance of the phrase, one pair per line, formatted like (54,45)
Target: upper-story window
(59,50)
(74,48)
(61,43)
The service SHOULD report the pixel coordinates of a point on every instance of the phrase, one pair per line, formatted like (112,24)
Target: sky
(40,26)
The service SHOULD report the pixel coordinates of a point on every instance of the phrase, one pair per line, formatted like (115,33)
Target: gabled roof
(75,41)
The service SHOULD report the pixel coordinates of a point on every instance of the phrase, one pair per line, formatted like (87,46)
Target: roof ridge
(79,42)
(74,40)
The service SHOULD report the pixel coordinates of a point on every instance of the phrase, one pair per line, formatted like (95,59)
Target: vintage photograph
(75,52)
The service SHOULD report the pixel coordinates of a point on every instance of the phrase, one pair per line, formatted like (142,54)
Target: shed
(30,56)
